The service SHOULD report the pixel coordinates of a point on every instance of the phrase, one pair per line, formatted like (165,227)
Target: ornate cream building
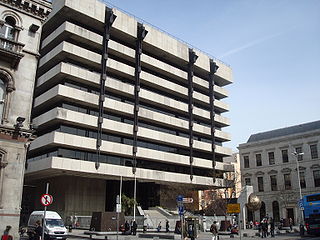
(117,97)
(267,163)
(20,30)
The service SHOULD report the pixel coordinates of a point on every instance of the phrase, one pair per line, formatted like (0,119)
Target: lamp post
(301,211)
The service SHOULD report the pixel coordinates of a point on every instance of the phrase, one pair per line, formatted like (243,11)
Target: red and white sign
(46,199)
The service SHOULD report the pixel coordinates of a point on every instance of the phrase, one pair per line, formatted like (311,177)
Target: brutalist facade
(116,97)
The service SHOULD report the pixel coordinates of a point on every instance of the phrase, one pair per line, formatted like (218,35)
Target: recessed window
(316,177)
(302,180)
(273,180)
(314,151)
(246,161)
(247,181)
(287,181)
(258,159)
(300,156)
(3,88)
(271,158)
(260,184)
(285,157)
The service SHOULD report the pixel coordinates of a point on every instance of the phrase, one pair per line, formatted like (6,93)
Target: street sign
(46,199)
(179,198)
(233,208)
(187,200)
(118,208)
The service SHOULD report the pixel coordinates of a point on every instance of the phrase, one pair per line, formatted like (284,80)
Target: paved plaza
(251,234)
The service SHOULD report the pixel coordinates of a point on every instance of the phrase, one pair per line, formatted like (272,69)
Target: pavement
(248,234)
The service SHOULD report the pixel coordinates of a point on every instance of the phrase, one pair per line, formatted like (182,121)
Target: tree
(127,205)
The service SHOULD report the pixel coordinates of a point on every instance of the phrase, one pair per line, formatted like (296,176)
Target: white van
(54,226)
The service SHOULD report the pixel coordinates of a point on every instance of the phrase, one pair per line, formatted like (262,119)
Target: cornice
(36,8)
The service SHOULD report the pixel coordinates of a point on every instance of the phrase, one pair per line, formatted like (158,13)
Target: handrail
(163,31)
(11,46)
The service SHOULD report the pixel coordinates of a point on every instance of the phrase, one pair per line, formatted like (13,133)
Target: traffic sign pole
(44,214)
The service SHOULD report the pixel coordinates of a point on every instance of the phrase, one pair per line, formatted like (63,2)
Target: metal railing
(159,29)
(11,46)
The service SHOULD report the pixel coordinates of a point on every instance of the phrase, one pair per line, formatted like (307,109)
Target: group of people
(167,226)
(266,227)
(129,229)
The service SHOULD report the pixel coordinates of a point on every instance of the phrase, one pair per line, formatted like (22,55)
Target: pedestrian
(134,228)
(127,228)
(290,224)
(159,227)
(214,230)
(272,227)
(6,235)
(167,225)
(38,231)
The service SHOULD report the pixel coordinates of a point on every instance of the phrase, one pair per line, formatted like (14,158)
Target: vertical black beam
(109,19)
(192,59)
(141,34)
(213,69)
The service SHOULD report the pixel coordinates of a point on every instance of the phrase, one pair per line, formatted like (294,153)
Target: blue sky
(273,47)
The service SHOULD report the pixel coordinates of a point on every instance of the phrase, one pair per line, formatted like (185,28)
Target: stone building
(118,98)
(267,163)
(20,29)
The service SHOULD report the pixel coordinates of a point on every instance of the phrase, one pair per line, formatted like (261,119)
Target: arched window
(3,88)
(262,211)
(8,30)
(6,88)
(276,211)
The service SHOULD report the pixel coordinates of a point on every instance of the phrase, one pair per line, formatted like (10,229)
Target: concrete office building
(20,28)
(142,98)
(267,163)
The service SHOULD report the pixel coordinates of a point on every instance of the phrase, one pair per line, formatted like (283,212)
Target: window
(271,158)
(8,31)
(316,177)
(247,181)
(287,181)
(285,157)
(258,160)
(302,180)
(314,151)
(300,156)
(260,184)
(273,180)
(246,161)
(6,88)
(2,96)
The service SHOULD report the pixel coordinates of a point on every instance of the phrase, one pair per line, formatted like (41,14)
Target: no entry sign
(46,199)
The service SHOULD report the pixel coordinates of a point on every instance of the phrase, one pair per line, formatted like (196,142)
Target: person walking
(134,228)
(159,227)
(6,235)
(214,230)
(272,227)
(290,224)
(38,231)
(167,225)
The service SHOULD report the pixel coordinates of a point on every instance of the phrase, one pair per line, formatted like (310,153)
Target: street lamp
(299,184)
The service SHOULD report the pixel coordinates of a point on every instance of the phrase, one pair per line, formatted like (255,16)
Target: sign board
(46,199)
(187,200)
(233,208)
(179,198)
(118,208)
